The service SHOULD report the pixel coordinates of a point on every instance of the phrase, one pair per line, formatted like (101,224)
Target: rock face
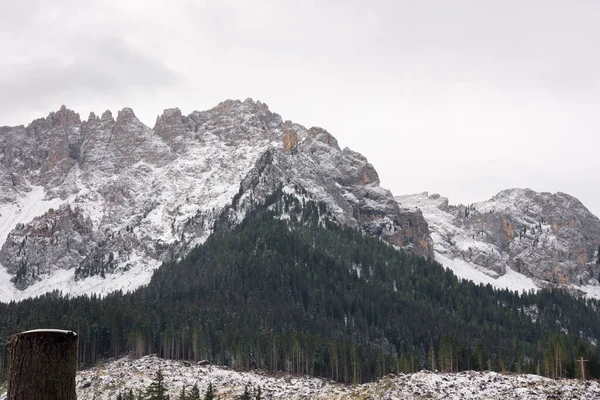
(341,178)
(58,237)
(552,239)
(97,205)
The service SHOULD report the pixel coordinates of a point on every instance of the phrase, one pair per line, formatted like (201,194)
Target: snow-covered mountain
(519,239)
(96,206)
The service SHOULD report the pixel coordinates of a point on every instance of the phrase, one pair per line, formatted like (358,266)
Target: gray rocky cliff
(111,199)
(551,238)
(312,161)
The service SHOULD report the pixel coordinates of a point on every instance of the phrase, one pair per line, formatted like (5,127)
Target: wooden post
(42,365)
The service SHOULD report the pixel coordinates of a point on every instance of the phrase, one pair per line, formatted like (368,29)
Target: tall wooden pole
(42,365)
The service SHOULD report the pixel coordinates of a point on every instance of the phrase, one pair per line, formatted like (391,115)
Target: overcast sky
(463,98)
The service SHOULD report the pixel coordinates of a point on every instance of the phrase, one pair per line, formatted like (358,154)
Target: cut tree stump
(43,364)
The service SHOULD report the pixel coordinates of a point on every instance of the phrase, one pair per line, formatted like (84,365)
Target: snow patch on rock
(519,240)
(28,205)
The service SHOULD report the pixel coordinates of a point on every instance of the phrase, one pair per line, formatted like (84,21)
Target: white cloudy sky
(464,98)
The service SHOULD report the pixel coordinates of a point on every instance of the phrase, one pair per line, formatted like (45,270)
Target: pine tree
(210,392)
(555,357)
(194,393)
(480,354)
(258,394)
(157,389)
(129,395)
(182,395)
(598,256)
(431,355)
(123,395)
(518,364)
(246,394)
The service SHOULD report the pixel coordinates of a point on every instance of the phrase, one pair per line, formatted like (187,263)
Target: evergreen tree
(431,355)
(194,393)
(246,394)
(258,394)
(182,395)
(127,395)
(210,392)
(555,357)
(157,389)
(480,353)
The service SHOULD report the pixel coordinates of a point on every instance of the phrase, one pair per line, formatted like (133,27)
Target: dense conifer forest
(289,290)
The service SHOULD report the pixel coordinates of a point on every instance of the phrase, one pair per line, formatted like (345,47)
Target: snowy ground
(104,382)
(512,280)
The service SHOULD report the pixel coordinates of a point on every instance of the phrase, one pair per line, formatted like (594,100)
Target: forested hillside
(290,290)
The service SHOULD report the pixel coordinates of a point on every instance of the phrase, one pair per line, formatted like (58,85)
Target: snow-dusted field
(104,382)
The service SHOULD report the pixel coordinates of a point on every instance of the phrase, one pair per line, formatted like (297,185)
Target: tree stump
(42,365)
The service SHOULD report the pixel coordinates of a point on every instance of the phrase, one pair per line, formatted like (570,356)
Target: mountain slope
(121,198)
(519,239)
(304,294)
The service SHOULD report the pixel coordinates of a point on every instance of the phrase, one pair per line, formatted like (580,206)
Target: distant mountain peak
(519,239)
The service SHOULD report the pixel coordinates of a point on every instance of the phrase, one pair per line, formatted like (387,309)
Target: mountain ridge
(97,205)
(121,197)
(518,237)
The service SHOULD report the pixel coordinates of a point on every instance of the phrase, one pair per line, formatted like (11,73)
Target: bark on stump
(43,365)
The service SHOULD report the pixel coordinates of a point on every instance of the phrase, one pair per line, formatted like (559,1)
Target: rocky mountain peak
(127,197)
(237,107)
(107,116)
(56,122)
(64,118)
(170,124)
(129,132)
(542,203)
(323,136)
(127,116)
(520,239)
(92,117)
